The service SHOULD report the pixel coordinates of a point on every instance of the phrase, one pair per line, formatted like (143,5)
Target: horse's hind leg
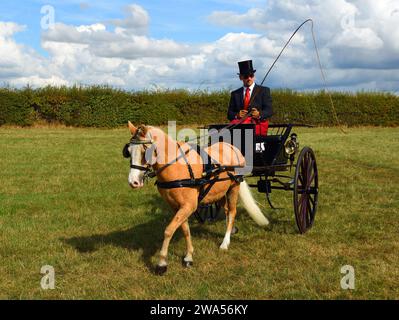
(224,205)
(188,259)
(181,216)
(231,211)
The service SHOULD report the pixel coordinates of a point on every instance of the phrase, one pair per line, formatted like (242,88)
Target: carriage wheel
(306,186)
(207,212)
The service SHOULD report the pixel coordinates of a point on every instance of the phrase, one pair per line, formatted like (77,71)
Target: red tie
(247,98)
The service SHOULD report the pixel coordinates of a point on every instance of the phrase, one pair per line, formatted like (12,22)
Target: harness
(210,172)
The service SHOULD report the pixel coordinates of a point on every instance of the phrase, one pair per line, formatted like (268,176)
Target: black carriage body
(273,154)
(268,151)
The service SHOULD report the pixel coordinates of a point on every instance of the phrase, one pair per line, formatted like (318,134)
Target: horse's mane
(159,130)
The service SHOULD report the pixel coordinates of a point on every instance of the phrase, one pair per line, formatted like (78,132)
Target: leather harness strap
(207,181)
(190,170)
(210,175)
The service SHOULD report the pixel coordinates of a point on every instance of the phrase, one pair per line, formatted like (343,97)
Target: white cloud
(136,20)
(91,28)
(20,65)
(115,44)
(7,29)
(357,39)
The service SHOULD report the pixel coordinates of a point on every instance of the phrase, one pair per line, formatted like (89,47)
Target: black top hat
(246,67)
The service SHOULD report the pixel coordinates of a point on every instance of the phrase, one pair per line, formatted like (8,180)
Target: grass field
(65,202)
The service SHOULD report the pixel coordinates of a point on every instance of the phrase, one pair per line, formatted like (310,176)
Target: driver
(241,102)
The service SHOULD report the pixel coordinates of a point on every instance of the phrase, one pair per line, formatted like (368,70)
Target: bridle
(148,172)
(192,182)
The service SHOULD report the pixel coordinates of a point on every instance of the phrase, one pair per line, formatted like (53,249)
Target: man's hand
(255,113)
(242,114)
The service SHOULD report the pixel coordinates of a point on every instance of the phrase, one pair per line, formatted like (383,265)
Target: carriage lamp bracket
(291,147)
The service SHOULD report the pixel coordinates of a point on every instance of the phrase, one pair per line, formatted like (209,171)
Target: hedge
(108,107)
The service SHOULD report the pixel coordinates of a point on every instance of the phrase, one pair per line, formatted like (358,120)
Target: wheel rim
(305,190)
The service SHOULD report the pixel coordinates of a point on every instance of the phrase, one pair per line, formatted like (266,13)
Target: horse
(171,161)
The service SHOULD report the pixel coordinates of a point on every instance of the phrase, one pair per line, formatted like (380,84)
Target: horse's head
(141,152)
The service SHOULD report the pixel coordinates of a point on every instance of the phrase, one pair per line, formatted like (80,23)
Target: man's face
(248,79)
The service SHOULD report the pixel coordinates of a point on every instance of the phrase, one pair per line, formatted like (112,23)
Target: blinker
(125,151)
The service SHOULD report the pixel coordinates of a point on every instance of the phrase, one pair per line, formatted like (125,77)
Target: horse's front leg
(188,259)
(181,216)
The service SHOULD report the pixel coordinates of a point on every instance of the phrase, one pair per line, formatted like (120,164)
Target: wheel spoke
(299,207)
(303,213)
(309,174)
(301,199)
(303,168)
(301,179)
(308,213)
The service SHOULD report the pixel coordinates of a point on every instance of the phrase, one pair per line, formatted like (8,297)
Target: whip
(320,67)
(231,126)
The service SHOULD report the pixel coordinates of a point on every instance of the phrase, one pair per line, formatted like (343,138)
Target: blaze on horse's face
(136,176)
(136,152)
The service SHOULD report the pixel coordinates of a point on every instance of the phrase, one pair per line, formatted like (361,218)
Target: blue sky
(182,20)
(182,44)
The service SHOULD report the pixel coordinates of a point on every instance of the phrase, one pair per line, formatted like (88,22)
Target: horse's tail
(251,206)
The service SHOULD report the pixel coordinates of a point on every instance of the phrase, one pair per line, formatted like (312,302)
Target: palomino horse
(176,161)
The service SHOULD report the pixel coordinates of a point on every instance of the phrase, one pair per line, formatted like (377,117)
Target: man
(250,98)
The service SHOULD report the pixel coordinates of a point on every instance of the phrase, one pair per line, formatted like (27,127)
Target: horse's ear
(132,128)
(143,130)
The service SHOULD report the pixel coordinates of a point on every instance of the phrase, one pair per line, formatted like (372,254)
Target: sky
(137,45)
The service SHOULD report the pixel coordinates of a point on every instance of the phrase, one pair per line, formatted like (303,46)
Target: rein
(149,172)
(183,183)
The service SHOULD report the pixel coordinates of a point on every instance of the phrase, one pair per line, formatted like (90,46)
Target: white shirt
(251,88)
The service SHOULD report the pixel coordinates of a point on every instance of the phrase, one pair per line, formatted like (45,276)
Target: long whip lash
(319,63)
(231,126)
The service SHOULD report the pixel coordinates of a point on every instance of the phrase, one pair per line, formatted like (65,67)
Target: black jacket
(262,101)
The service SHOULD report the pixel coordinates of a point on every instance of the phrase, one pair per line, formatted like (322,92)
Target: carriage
(279,165)
(271,158)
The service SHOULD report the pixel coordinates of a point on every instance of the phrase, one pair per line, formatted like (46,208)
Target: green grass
(64,201)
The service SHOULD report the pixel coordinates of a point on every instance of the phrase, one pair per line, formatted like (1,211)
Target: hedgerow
(108,107)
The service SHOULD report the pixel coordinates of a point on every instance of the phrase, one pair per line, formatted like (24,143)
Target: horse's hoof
(160,270)
(234,231)
(187,264)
